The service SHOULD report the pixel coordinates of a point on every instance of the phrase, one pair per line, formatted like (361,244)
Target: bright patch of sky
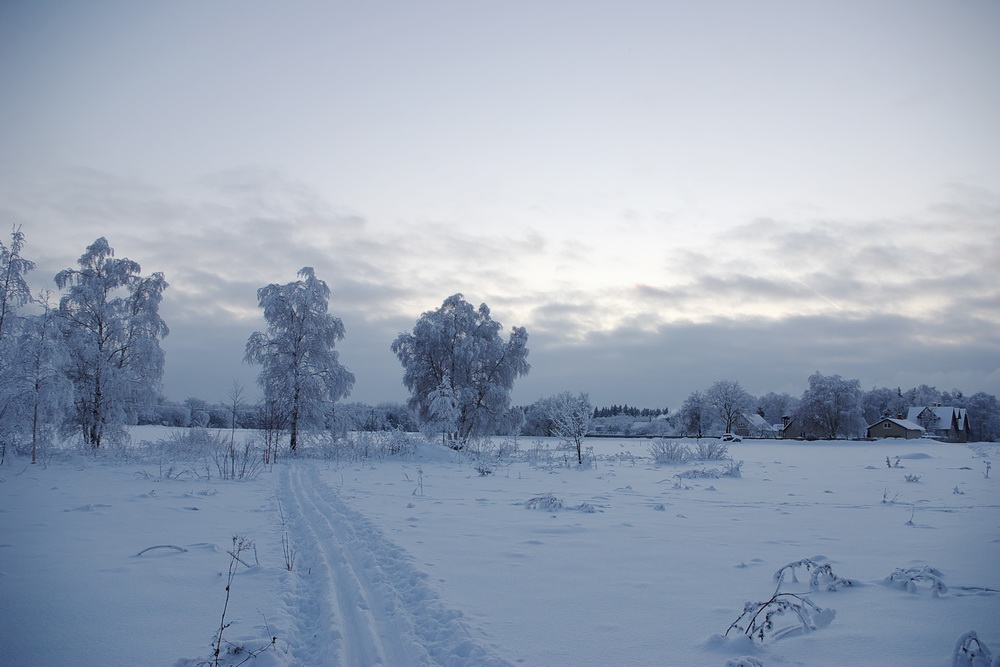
(604,174)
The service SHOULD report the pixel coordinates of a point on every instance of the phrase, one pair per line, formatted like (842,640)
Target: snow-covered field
(423,561)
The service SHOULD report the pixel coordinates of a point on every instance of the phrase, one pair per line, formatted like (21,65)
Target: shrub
(712,451)
(732,469)
(664,452)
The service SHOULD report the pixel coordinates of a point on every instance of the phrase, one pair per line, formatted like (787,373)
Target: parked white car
(729,437)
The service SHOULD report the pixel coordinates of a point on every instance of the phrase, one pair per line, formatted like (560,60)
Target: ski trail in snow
(358,599)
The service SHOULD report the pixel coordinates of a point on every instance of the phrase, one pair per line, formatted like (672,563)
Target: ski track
(357,599)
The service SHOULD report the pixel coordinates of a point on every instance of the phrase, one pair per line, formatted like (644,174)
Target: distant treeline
(628,411)
(195,412)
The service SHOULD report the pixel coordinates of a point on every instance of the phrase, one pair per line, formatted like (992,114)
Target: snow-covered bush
(732,469)
(488,456)
(664,452)
(970,652)
(669,453)
(538,453)
(712,451)
(360,446)
(913,578)
(400,443)
(199,452)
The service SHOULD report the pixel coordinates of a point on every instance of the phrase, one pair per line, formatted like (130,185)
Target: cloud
(644,320)
(661,367)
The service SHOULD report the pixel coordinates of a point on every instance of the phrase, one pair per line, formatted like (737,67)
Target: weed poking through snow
(762,620)
(241,545)
(819,574)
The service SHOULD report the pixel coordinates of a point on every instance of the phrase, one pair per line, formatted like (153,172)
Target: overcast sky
(665,194)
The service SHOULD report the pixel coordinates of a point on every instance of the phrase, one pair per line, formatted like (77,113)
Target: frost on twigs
(819,575)
(970,652)
(914,578)
(787,614)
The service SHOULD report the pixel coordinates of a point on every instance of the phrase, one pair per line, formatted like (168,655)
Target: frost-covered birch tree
(457,351)
(14,290)
(694,415)
(776,406)
(571,416)
(14,294)
(880,402)
(728,400)
(111,328)
(832,405)
(301,374)
(43,392)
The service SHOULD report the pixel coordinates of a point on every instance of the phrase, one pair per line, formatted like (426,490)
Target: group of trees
(86,365)
(458,368)
(92,363)
(196,412)
(830,407)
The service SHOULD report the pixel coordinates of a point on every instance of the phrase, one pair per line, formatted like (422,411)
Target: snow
(423,561)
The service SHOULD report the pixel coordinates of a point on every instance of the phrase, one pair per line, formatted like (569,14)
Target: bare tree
(832,405)
(694,415)
(571,415)
(728,400)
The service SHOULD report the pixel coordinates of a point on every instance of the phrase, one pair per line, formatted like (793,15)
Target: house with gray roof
(942,422)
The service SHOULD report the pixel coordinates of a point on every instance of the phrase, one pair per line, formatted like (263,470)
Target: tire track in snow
(360,600)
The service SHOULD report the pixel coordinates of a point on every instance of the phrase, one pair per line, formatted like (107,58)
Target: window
(886,424)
